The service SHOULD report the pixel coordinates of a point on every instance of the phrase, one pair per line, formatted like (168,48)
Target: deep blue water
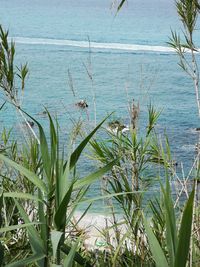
(52,36)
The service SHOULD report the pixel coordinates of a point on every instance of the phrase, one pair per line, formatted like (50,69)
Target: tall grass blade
(157,252)
(25,262)
(77,152)
(69,259)
(63,182)
(90,200)
(171,230)
(44,149)
(55,239)
(22,196)
(120,5)
(86,181)
(1,206)
(54,139)
(60,215)
(185,233)
(119,247)
(43,218)
(35,240)
(45,153)
(1,107)
(32,177)
(1,254)
(1,222)
(17,227)
(77,257)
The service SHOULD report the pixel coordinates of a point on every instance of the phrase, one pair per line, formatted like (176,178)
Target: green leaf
(185,233)
(54,139)
(22,196)
(60,215)
(156,250)
(1,254)
(77,152)
(32,177)
(55,239)
(27,261)
(120,5)
(2,105)
(171,230)
(75,204)
(86,181)
(63,182)
(1,206)
(77,257)
(45,152)
(120,247)
(69,259)
(17,227)
(34,238)
(90,200)
(1,221)
(44,149)
(43,218)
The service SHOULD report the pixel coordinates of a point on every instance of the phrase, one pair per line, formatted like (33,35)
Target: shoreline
(93,226)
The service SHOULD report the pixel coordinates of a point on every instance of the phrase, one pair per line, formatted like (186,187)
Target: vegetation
(151,221)
(188,12)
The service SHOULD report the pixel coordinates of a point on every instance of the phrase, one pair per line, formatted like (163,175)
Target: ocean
(126,53)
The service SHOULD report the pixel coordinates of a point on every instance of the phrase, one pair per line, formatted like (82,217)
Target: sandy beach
(94,227)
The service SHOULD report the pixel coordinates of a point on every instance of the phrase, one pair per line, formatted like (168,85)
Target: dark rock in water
(197,147)
(175,163)
(197,129)
(82,104)
(117,126)
(31,123)
(42,113)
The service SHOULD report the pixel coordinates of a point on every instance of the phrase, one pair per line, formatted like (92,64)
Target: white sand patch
(94,225)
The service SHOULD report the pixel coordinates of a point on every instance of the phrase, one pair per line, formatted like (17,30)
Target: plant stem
(195,75)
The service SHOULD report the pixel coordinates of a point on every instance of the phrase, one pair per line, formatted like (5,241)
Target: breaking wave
(93,45)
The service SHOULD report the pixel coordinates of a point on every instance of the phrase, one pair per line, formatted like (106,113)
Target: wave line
(94,45)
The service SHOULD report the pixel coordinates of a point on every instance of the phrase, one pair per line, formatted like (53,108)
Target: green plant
(132,175)
(9,75)
(41,189)
(119,4)
(56,194)
(185,47)
(188,11)
(173,249)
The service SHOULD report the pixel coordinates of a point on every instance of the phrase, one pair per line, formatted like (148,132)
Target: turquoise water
(142,22)
(127,51)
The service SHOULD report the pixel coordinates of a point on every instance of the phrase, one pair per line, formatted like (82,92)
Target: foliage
(175,250)
(41,191)
(188,11)
(54,188)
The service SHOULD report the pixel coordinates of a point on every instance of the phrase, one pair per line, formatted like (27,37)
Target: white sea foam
(94,45)
(188,147)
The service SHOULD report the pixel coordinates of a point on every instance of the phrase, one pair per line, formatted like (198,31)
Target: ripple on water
(190,147)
